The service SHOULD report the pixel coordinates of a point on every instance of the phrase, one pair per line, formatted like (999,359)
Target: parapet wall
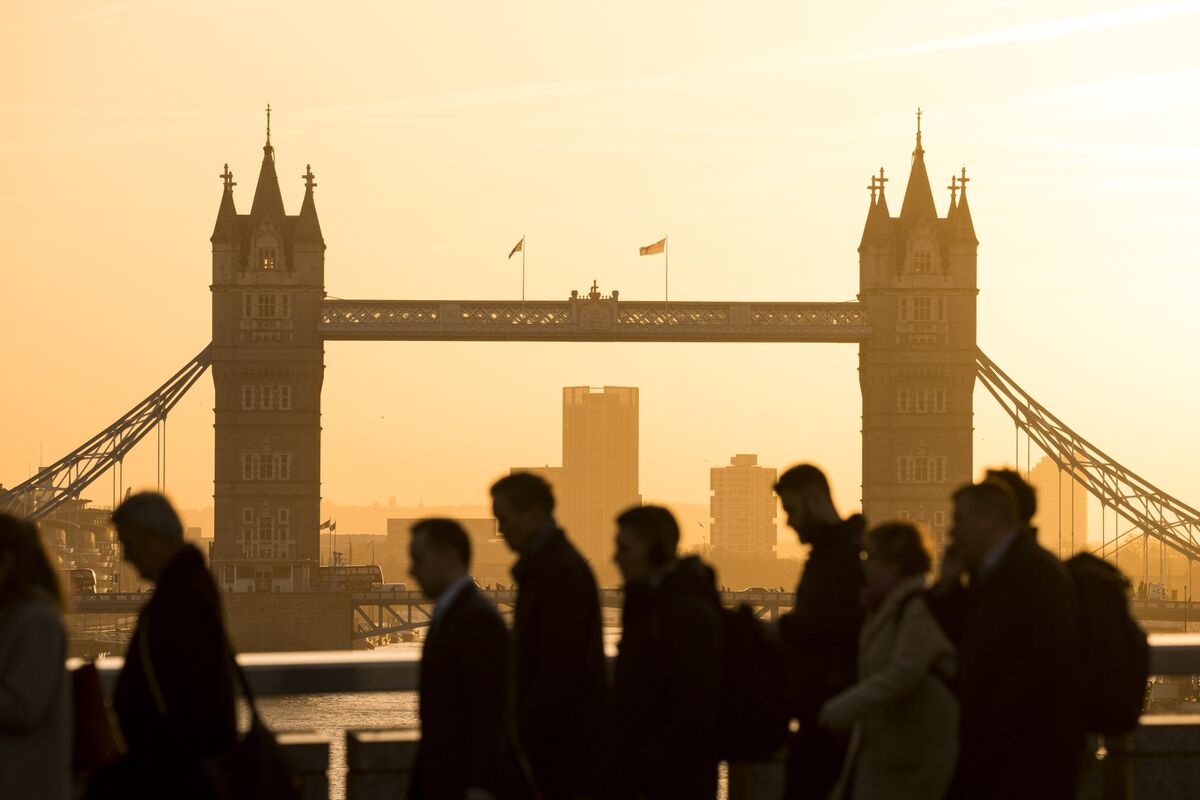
(263,622)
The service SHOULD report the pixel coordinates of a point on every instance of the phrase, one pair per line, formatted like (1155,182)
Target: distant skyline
(748,137)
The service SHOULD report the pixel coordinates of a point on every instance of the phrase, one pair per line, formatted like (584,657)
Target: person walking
(667,682)
(559,652)
(467,745)
(174,697)
(903,713)
(820,634)
(35,717)
(1011,610)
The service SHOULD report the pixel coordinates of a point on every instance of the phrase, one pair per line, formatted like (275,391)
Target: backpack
(1115,653)
(752,713)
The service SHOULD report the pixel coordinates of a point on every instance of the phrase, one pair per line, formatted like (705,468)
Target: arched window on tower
(922,261)
(266,258)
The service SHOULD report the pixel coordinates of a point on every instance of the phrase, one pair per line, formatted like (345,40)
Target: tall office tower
(1061,519)
(742,509)
(600,465)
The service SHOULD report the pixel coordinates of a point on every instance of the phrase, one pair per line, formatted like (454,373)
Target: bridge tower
(268,362)
(917,279)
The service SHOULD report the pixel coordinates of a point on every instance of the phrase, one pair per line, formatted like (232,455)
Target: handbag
(94,742)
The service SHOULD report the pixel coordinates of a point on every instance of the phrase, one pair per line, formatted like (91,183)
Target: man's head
(647,537)
(149,531)
(804,494)
(439,554)
(523,505)
(1022,492)
(984,513)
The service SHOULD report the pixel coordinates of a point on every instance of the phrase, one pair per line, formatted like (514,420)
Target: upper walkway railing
(591,318)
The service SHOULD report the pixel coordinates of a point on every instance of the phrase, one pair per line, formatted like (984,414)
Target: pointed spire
(268,202)
(878,227)
(226,229)
(918,197)
(964,227)
(953,187)
(308,227)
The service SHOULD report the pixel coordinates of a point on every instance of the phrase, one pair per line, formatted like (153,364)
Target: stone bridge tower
(917,369)
(268,362)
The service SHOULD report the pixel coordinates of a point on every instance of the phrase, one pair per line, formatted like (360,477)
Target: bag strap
(156,693)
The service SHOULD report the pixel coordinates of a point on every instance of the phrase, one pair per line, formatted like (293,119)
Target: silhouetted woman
(903,714)
(35,730)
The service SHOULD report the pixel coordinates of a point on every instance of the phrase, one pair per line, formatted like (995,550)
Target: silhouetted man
(560,672)
(174,698)
(466,743)
(820,634)
(668,673)
(1014,621)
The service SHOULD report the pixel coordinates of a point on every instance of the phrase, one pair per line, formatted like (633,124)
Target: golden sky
(440,133)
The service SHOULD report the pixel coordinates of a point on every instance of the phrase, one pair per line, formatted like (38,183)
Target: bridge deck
(591,319)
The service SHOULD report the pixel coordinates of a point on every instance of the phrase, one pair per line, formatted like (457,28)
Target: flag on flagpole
(653,249)
(517,248)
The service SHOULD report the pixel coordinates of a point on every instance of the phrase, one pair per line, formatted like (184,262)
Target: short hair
(902,545)
(1023,493)
(992,498)
(801,477)
(444,536)
(524,491)
(148,514)
(655,525)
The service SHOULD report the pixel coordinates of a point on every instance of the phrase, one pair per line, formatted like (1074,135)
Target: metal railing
(340,672)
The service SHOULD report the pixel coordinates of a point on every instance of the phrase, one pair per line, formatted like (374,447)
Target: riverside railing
(1162,759)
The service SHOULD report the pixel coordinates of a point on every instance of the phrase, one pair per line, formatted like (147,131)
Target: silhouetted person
(467,740)
(174,697)
(35,716)
(1013,618)
(560,670)
(668,673)
(904,715)
(820,634)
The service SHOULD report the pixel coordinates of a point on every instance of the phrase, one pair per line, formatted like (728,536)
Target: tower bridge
(914,321)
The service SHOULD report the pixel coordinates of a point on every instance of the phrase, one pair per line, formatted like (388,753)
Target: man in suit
(667,685)
(560,670)
(466,747)
(1013,617)
(820,634)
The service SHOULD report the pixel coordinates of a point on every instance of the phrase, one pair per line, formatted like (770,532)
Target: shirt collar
(446,598)
(994,556)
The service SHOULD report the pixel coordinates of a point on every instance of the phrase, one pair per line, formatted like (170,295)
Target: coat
(667,685)
(560,670)
(1016,630)
(904,743)
(467,739)
(182,630)
(35,714)
(820,633)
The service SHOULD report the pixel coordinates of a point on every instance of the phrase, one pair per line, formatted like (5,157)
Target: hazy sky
(439,134)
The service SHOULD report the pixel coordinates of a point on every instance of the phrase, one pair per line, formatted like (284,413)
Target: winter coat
(904,742)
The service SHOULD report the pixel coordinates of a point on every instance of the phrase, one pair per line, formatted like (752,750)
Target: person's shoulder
(34,611)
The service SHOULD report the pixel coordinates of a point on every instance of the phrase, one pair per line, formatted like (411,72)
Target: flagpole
(523,245)
(666,272)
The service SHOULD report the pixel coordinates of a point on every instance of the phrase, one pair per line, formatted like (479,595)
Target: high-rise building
(742,509)
(600,464)
(1062,504)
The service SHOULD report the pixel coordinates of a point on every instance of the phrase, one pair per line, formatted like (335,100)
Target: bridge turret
(268,367)
(917,369)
